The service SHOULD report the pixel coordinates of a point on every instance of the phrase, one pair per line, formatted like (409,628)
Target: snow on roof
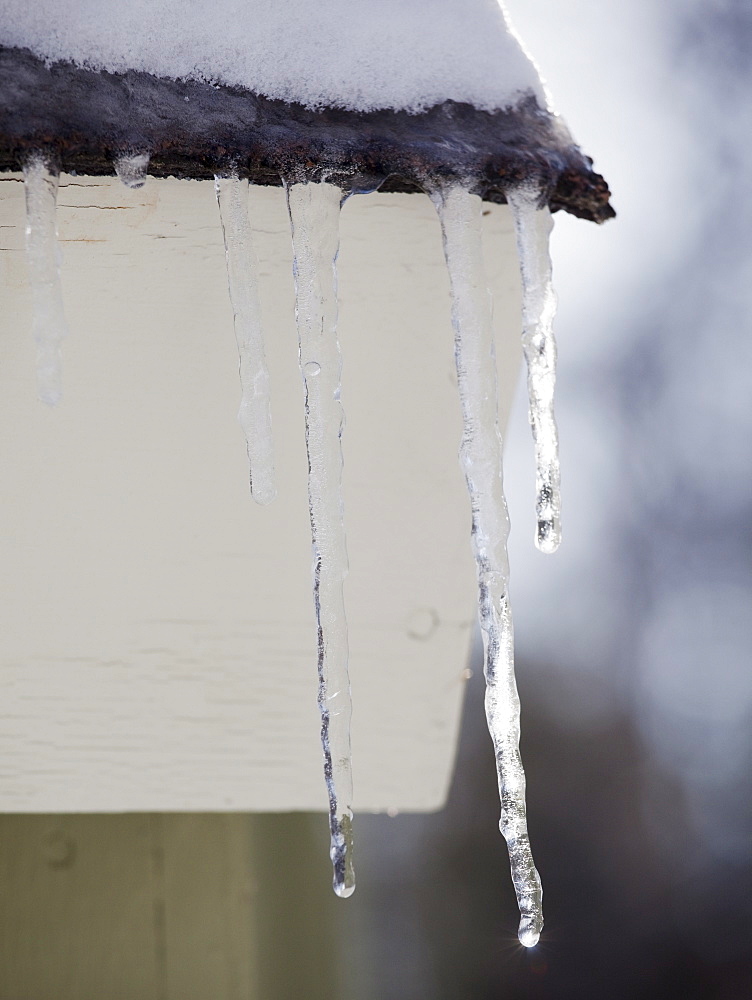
(358,54)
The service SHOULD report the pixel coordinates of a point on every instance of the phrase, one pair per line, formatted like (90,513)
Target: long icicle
(42,253)
(314,219)
(255,413)
(481,457)
(533,227)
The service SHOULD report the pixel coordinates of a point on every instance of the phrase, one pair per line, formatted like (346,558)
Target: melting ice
(481,457)
(42,253)
(131,169)
(314,220)
(254,414)
(533,227)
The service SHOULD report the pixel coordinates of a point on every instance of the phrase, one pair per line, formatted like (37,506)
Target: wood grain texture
(158,651)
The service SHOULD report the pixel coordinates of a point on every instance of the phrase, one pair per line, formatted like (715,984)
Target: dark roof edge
(86,118)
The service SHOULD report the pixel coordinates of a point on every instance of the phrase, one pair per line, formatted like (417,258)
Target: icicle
(481,456)
(254,414)
(314,218)
(533,226)
(42,252)
(131,169)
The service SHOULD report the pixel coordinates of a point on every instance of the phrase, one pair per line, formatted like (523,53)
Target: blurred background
(634,641)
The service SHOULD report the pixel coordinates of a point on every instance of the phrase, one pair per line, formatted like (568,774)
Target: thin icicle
(481,457)
(131,169)
(314,218)
(255,413)
(42,252)
(533,226)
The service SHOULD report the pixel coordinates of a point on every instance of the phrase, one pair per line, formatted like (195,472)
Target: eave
(85,119)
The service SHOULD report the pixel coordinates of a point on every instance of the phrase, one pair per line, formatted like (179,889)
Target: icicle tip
(343,889)
(547,537)
(263,493)
(528,934)
(342,858)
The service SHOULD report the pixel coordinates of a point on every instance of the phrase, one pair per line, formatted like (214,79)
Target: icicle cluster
(481,457)
(314,210)
(314,219)
(43,255)
(254,414)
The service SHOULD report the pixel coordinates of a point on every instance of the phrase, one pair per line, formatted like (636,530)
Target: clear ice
(533,227)
(131,169)
(43,255)
(254,414)
(481,458)
(314,219)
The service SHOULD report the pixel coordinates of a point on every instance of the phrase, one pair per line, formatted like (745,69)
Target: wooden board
(158,643)
(136,907)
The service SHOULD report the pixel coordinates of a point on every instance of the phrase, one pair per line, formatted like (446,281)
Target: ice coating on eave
(357,54)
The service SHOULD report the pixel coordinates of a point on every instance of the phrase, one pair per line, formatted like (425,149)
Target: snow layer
(358,54)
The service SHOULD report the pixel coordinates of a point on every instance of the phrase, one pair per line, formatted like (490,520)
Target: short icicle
(43,255)
(533,227)
(255,413)
(131,169)
(314,218)
(481,457)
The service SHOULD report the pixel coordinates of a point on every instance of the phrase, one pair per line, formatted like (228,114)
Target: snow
(314,220)
(255,413)
(357,54)
(42,254)
(481,457)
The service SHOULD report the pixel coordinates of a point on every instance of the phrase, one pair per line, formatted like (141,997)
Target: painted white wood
(158,642)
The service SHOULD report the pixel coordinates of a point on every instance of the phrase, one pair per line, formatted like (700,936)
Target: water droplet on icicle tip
(533,227)
(481,458)
(314,221)
(254,414)
(131,169)
(528,935)
(341,854)
(43,257)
